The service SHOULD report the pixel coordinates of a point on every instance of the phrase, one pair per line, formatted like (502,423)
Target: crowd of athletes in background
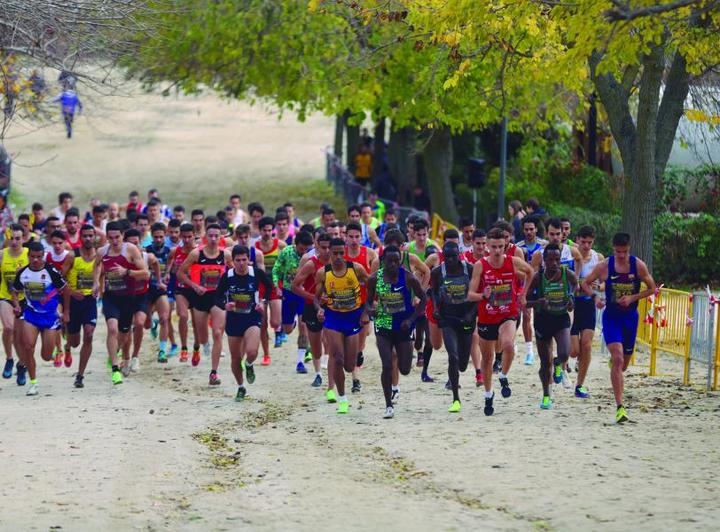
(256,276)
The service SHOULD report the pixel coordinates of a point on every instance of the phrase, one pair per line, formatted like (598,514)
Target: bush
(690,189)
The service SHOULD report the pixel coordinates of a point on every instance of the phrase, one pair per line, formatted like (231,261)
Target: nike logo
(397,289)
(614,277)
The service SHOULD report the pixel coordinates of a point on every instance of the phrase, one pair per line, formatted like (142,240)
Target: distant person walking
(363,166)
(69,101)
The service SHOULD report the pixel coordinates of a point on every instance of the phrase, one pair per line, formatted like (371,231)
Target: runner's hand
(162,286)
(599,303)
(199,290)
(321,314)
(78,296)
(260,308)
(522,300)
(625,301)
(230,306)
(66,316)
(487,292)
(364,319)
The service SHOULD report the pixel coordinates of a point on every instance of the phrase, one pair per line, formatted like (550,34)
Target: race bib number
(501,295)
(244,303)
(393,302)
(84,281)
(116,282)
(210,279)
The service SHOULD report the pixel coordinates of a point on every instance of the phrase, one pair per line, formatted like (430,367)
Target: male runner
(339,307)
(119,266)
(622,274)
(183,294)
(530,246)
(566,230)
(72,228)
(394,287)
(270,247)
(494,285)
(80,302)
(257,212)
(283,274)
(390,221)
(197,219)
(201,271)
(454,314)
(467,228)
(157,295)
(584,317)
(237,295)
(366,214)
(42,285)
(61,259)
(551,294)
(12,259)
(369,236)
(282,228)
(479,251)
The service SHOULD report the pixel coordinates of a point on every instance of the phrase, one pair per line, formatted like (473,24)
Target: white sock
(248,364)
(342,399)
(395,388)
(301,354)
(501,375)
(318,374)
(489,394)
(529,347)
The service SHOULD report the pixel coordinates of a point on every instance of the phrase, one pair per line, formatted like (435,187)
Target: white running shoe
(206,349)
(566,382)
(134,364)
(389,413)
(32,390)
(125,368)
(222,354)
(529,359)
(324,361)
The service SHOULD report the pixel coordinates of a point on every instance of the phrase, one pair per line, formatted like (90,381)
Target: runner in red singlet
(183,294)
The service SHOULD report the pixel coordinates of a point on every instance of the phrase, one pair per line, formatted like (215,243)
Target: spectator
(421,201)
(532,206)
(65,200)
(516,215)
(363,166)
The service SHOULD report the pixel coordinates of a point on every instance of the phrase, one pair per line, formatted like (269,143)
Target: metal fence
(705,337)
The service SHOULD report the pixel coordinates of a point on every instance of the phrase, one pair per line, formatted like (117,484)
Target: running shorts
(82,312)
(548,325)
(396,336)
(621,328)
(347,323)
(585,316)
(44,321)
(490,331)
(155,293)
(141,303)
(120,308)
(310,319)
(292,306)
(237,324)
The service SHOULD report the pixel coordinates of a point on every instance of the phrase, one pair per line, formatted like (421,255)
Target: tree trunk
(353,143)
(378,151)
(402,152)
(339,132)
(438,160)
(591,155)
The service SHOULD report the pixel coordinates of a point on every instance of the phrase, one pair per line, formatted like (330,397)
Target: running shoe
(68,358)
(7,370)
(582,392)
(621,415)
(360,360)
(454,407)
(116,377)
(196,358)
(250,374)
(300,368)
(206,349)
(546,403)
(356,386)
(174,349)
(558,374)
(426,378)
(324,361)
(448,385)
(278,340)
(79,381)
(505,390)
(330,396)
(479,379)
(265,360)
(32,390)
(489,409)
(395,396)
(125,368)
(566,382)
(154,328)
(183,355)
(317,382)
(214,379)
(420,362)
(389,413)
(343,407)
(162,357)
(529,359)
(241,393)
(284,337)
(308,356)
(58,362)
(497,366)
(135,364)
(21,373)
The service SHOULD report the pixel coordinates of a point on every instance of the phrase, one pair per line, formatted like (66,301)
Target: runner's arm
(319,289)
(599,273)
(435,288)
(264,279)
(279,267)
(220,299)
(420,270)
(371,286)
(183,273)
(303,273)
(259,259)
(142,273)
(646,278)
(67,264)
(536,260)
(524,267)
(473,292)
(532,299)
(361,273)
(372,235)
(414,283)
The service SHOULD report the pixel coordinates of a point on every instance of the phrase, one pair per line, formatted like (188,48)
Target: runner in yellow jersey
(12,258)
(80,300)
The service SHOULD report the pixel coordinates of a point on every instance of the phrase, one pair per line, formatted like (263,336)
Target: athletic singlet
(421,255)
(566,257)
(161,255)
(343,293)
(404,257)
(394,301)
(310,285)
(465,248)
(56,261)
(361,258)
(557,293)
(618,285)
(469,257)
(529,249)
(74,244)
(141,287)
(80,276)
(9,268)
(453,291)
(271,255)
(585,269)
(41,288)
(118,285)
(243,290)
(178,259)
(365,241)
(503,302)
(207,271)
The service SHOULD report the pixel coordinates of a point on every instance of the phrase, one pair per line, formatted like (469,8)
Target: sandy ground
(165,451)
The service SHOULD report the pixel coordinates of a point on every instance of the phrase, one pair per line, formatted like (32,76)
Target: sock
(33,381)
(301,354)
(184,348)
(478,372)
(248,364)
(115,368)
(529,347)
(498,357)
(196,347)
(318,374)
(343,399)
(501,375)
(489,394)
(395,388)
(213,371)
(163,345)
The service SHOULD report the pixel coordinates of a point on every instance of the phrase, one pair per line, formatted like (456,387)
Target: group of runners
(239,275)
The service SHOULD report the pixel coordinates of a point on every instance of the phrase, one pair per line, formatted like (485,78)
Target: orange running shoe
(184,355)
(265,360)
(196,358)
(479,380)
(58,362)
(68,358)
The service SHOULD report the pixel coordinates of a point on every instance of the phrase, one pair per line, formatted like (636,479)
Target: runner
(551,294)
(584,317)
(201,272)
(622,274)
(394,287)
(119,266)
(339,308)
(80,302)
(158,300)
(365,257)
(61,259)
(282,228)
(72,228)
(304,286)
(42,286)
(454,314)
(12,259)
(467,228)
(182,293)
(257,212)
(494,286)
(237,295)
(478,252)
(566,230)
(530,246)
(390,221)
(270,247)
(257,259)
(569,255)
(369,236)
(197,219)
(283,274)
